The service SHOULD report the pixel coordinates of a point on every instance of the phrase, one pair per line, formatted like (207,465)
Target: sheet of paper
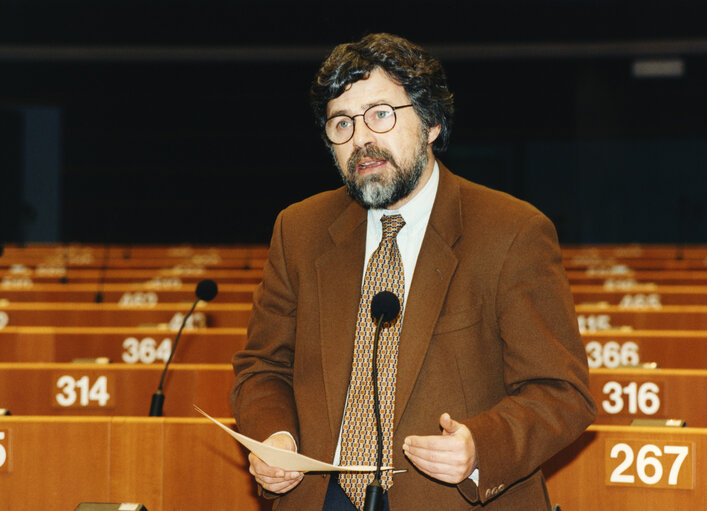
(287,460)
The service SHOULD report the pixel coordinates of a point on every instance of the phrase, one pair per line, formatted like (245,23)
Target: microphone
(206,290)
(102,276)
(385,307)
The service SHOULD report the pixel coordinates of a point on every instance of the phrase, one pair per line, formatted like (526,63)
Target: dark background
(189,121)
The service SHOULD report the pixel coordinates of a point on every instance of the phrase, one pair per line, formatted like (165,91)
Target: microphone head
(385,304)
(206,290)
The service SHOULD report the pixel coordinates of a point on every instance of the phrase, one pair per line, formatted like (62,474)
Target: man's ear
(433,133)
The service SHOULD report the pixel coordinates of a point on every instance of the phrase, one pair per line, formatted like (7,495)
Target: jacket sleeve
(262,399)
(547,403)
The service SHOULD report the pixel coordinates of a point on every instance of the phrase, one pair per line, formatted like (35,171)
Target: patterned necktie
(358,436)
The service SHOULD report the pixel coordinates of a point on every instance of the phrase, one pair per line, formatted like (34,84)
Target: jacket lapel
(435,267)
(339,274)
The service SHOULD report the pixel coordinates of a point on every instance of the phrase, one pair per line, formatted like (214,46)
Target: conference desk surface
(673,349)
(633,251)
(141,293)
(626,279)
(130,345)
(648,296)
(164,276)
(113,389)
(623,395)
(620,468)
(190,464)
(230,315)
(166,464)
(217,315)
(667,317)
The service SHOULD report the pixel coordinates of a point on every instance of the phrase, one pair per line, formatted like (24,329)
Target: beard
(378,191)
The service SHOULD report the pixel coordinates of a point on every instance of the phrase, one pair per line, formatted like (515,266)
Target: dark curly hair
(412,67)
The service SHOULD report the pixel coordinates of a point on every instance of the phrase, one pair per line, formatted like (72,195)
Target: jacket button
(488,493)
(500,487)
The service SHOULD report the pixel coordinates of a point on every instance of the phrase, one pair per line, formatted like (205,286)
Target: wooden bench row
(121,389)
(634,251)
(220,315)
(125,293)
(164,277)
(148,460)
(170,276)
(148,293)
(624,279)
(113,389)
(675,349)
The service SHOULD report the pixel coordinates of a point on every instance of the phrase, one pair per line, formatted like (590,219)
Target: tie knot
(391,225)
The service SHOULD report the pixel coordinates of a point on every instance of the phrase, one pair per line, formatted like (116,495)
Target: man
(488,372)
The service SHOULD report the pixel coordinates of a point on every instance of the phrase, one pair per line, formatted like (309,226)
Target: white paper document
(287,460)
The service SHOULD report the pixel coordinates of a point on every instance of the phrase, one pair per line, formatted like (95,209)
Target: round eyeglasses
(381,118)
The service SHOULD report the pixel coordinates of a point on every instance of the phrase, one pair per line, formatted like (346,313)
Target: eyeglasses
(381,118)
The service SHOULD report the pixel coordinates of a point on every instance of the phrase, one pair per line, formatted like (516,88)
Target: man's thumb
(449,425)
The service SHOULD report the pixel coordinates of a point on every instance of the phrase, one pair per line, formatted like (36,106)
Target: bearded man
(482,375)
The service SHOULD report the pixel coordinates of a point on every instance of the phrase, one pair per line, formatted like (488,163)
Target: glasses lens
(380,118)
(339,129)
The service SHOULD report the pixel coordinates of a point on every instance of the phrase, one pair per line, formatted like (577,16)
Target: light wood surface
(34,389)
(140,292)
(669,349)
(623,395)
(164,463)
(668,317)
(217,315)
(576,477)
(119,344)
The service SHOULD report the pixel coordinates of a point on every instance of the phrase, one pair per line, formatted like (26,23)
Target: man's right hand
(274,479)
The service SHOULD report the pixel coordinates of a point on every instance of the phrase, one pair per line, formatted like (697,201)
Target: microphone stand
(158,396)
(374,491)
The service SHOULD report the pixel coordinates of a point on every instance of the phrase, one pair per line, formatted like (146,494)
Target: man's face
(382,170)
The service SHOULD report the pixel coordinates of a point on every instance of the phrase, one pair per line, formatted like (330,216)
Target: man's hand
(449,457)
(274,479)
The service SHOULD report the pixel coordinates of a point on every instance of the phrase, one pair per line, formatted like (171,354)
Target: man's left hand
(449,457)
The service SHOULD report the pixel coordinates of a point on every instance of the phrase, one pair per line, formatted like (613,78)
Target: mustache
(373,152)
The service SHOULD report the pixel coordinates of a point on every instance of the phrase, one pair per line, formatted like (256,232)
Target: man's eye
(382,114)
(343,124)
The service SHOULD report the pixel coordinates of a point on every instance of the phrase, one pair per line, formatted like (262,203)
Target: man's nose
(363,135)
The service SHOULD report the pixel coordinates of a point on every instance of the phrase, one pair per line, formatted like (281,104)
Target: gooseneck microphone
(385,307)
(206,290)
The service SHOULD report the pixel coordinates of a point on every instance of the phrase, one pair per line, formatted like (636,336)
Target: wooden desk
(216,315)
(187,464)
(667,317)
(119,344)
(161,277)
(625,279)
(164,463)
(650,296)
(125,293)
(580,263)
(634,251)
(113,389)
(580,476)
(626,394)
(672,349)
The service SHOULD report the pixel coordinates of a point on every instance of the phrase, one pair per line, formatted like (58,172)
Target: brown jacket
(489,335)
